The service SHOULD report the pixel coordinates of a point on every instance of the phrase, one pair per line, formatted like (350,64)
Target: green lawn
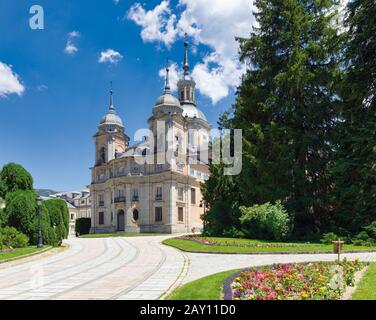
(18,253)
(366,289)
(115,235)
(208,288)
(231,245)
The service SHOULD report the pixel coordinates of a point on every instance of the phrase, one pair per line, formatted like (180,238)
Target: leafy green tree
(2,189)
(355,166)
(3,218)
(14,177)
(222,214)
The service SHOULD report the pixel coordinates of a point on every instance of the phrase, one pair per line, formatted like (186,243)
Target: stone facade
(132,189)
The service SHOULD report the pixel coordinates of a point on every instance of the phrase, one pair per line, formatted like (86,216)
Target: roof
(193,112)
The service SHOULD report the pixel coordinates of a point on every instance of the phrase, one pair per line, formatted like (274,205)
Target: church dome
(111,118)
(167,100)
(167,103)
(193,112)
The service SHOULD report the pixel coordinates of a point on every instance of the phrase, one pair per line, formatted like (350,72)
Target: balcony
(119,199)
(158,197)
(135,199)
(101,203)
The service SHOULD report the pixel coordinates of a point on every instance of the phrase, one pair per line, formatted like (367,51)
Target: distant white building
(79,205)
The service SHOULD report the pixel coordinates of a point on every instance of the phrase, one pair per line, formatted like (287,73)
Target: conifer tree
(355,170)
(287,107)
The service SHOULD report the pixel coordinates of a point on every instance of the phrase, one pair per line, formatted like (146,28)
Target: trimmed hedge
(22,213)
(83,226)
(58,212)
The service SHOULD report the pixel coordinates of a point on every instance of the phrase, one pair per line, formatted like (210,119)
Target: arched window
(135,215)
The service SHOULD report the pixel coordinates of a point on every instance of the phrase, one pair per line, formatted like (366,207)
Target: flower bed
(311,281)
(212,242)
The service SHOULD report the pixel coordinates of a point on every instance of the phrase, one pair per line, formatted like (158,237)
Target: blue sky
(54,88)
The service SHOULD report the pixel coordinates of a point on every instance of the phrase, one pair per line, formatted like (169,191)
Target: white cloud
(174,75)
(9,81)
(157,24)
(70,47)
(216,75)
(42,87)
(110,56)
(213,25)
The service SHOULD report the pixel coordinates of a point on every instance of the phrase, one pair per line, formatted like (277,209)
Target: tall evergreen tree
(355,169)
(287,106)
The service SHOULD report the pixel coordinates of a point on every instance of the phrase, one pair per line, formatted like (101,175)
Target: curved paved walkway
(126,268)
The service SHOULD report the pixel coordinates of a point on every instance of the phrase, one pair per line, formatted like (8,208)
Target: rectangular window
(158,193)
(180,214)
(180,194)
(135,194)
(101,217)
(158,214)
(101,200)
(193,196)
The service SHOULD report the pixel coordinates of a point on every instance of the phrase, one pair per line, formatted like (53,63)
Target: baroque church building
(163,196)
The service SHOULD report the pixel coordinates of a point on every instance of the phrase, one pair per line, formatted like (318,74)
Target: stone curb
(179,279)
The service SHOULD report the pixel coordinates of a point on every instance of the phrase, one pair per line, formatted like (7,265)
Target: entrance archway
(121,221)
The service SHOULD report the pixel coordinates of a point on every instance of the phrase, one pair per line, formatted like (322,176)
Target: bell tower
(110,138)
(186,86)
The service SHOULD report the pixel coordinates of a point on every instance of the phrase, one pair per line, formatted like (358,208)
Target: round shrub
(11,238)
(266,221)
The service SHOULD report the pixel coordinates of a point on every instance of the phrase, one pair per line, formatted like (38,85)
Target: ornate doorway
(121,221)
